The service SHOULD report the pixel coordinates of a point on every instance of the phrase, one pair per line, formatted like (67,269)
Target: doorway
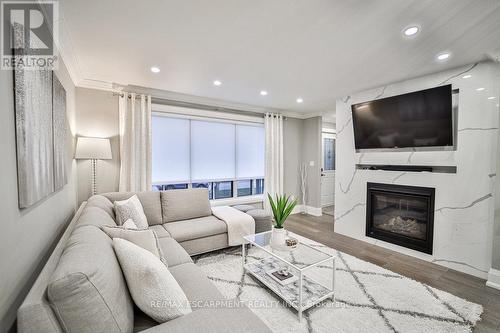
(328,171)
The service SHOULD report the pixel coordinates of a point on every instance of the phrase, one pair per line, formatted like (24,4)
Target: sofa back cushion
(94,216)
(185,204)
(102,202)
(150,203)
(87,290)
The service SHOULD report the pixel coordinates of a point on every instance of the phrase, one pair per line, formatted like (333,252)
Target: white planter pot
(278,236)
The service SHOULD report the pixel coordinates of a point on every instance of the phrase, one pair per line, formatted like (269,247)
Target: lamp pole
(93,163)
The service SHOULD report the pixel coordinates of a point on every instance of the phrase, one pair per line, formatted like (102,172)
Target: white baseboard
(493,278)
(298,209)
(314,211)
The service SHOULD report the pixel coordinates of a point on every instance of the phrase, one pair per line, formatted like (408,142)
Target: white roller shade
(171,152)
(250,144)
(212,151)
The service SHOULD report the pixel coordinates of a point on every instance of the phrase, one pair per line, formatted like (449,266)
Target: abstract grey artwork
(60,134)
(41,137)
(35,163)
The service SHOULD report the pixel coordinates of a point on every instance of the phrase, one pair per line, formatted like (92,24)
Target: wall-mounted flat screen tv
(421,119)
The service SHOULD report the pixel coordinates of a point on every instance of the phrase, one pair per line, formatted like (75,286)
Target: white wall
(27,235)
(97,116)
(464,204)
(311,152)
(292,152)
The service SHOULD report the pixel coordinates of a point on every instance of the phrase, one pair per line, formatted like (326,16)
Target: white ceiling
(316,49)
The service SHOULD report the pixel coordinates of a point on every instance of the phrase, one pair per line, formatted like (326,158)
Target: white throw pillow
(131,209)
(129,224)
(153,288)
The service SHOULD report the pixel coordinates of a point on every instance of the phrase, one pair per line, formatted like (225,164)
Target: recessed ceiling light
(155,70)
(217,83)
(443,56)
(411,31)
(480,89)
(300,100)
(491,97)
(466,76)
(263,93)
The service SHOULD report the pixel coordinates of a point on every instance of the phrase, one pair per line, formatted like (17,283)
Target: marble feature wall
(464,207)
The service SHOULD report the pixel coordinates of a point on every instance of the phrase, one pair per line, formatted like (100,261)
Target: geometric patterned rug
(368,298)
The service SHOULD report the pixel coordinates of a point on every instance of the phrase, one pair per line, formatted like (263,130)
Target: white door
(328,169)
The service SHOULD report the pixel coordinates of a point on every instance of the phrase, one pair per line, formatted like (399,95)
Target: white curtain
(135,142)
(273,183)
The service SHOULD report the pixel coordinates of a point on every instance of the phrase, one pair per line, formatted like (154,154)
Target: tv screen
(418,119)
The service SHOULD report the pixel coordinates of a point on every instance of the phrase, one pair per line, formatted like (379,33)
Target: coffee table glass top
(300,257)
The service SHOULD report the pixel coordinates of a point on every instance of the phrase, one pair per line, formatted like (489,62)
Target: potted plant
(282,207)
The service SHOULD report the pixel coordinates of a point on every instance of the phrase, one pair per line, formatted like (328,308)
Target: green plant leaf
(282,206)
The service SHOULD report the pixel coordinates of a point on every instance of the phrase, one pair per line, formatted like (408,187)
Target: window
(167,187)
(258,187)
(226,158)
(223,190)
(170,150)
(205,185)
(244,188)
(328,154)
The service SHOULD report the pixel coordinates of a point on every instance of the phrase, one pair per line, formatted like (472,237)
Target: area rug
(368,298)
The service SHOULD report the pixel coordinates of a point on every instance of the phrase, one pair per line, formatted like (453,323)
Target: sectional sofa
(82,288)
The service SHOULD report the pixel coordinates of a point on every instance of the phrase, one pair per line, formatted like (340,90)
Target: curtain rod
(171,102)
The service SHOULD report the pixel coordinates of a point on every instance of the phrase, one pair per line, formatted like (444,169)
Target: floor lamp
(93,149)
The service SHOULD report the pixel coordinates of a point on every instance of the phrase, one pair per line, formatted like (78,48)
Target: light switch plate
(311,163)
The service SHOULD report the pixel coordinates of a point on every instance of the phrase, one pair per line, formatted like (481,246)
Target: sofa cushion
(94,216)
(161,232)
(221,320)
(185,204)
(80,291)
(102,202)
(205,244)
(196,228)
(195,284)
(150,203)
(173,253)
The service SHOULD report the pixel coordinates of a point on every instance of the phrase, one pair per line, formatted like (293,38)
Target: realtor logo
(29,30)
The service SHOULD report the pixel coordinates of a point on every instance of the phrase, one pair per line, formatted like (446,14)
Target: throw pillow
(129,224)
(146,239)
(153,288)
(131,209)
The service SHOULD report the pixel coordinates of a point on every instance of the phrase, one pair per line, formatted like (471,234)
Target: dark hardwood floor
(321,229)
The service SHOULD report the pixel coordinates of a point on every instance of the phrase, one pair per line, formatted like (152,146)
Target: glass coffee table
(284,271)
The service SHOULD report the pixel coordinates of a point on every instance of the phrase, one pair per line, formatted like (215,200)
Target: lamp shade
(93,148)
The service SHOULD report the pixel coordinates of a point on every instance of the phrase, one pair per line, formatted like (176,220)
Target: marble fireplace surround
(464,204)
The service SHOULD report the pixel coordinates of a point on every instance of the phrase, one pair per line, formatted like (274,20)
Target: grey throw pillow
(153,288)
(146,239)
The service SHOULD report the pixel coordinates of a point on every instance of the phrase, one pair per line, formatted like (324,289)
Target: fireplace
(400,214)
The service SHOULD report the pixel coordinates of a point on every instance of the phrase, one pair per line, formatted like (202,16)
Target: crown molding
(97,84)
(217,103)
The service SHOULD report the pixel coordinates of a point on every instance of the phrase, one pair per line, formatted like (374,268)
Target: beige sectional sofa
(82,288)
